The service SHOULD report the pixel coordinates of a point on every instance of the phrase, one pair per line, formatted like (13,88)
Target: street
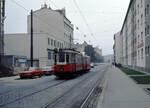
(49,91)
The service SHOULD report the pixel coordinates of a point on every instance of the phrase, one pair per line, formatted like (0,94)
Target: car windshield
(32,68)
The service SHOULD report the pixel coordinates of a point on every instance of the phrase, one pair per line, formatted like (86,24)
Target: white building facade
(118,48)
(135,35)
(51,29)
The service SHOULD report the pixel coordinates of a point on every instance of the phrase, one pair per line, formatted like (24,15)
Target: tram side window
(73,58)
(61,57)
(67,58)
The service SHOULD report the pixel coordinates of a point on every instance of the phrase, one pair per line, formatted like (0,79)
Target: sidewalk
(123,92)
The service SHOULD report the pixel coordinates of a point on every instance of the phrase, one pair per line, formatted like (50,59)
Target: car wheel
(40,75)
(21,77)
(32,76)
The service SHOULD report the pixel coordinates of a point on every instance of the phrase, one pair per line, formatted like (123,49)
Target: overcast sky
(104,17)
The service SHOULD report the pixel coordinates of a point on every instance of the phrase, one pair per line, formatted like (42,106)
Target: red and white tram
(68,62)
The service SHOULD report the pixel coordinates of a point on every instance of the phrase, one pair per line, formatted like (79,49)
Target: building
(51,29)
(135,35)
(54,23)
(98,51)
(109,58)
(94,52)
(81,47)
(118,48)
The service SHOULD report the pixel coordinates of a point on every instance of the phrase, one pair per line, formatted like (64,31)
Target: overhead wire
(76,27)
(85,21)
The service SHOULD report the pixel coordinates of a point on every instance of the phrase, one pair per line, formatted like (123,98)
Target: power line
(84,19)
(20,5)
(74,24)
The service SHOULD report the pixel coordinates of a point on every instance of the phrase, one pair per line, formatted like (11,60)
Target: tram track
(17,88)
(69,91)
(33,93)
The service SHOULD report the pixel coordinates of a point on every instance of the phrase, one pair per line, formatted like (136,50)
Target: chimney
(64,11)
(44,6)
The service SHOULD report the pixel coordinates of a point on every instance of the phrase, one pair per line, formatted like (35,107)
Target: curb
(101,97)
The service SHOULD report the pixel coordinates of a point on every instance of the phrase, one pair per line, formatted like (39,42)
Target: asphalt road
(49,91)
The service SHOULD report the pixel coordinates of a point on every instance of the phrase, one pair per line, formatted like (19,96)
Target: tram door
(55,59)
(74,62)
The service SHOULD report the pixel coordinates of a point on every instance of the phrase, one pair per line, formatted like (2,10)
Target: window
(138,8)
(148,30)
(141,19)
(61,57)
(145,31)
(48,41)
(138,39)
(141,37)
(139,54)
(52,42)
(145,50)
(67,58)
(147,9)
(142,53)
(138,23)
(49,55)
(58,44)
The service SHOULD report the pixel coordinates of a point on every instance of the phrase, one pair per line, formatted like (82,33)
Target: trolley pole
(31,49)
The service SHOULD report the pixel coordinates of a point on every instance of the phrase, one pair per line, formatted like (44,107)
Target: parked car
(92,65)
(31,72)
(48,70)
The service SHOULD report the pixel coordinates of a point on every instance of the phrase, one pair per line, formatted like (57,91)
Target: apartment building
(135,35)
(118,48)
(51,29)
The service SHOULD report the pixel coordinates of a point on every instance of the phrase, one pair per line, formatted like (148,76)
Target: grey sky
(105,17)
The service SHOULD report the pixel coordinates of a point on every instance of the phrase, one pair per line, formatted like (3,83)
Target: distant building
(98,51)
(81,47)
(118,48)
(109,58)
(94,52)
(51,30)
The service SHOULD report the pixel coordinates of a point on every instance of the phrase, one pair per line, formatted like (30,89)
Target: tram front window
(61,57)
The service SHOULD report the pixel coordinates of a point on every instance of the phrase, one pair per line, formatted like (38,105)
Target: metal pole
(2,18)
(31,49)
(0,30)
